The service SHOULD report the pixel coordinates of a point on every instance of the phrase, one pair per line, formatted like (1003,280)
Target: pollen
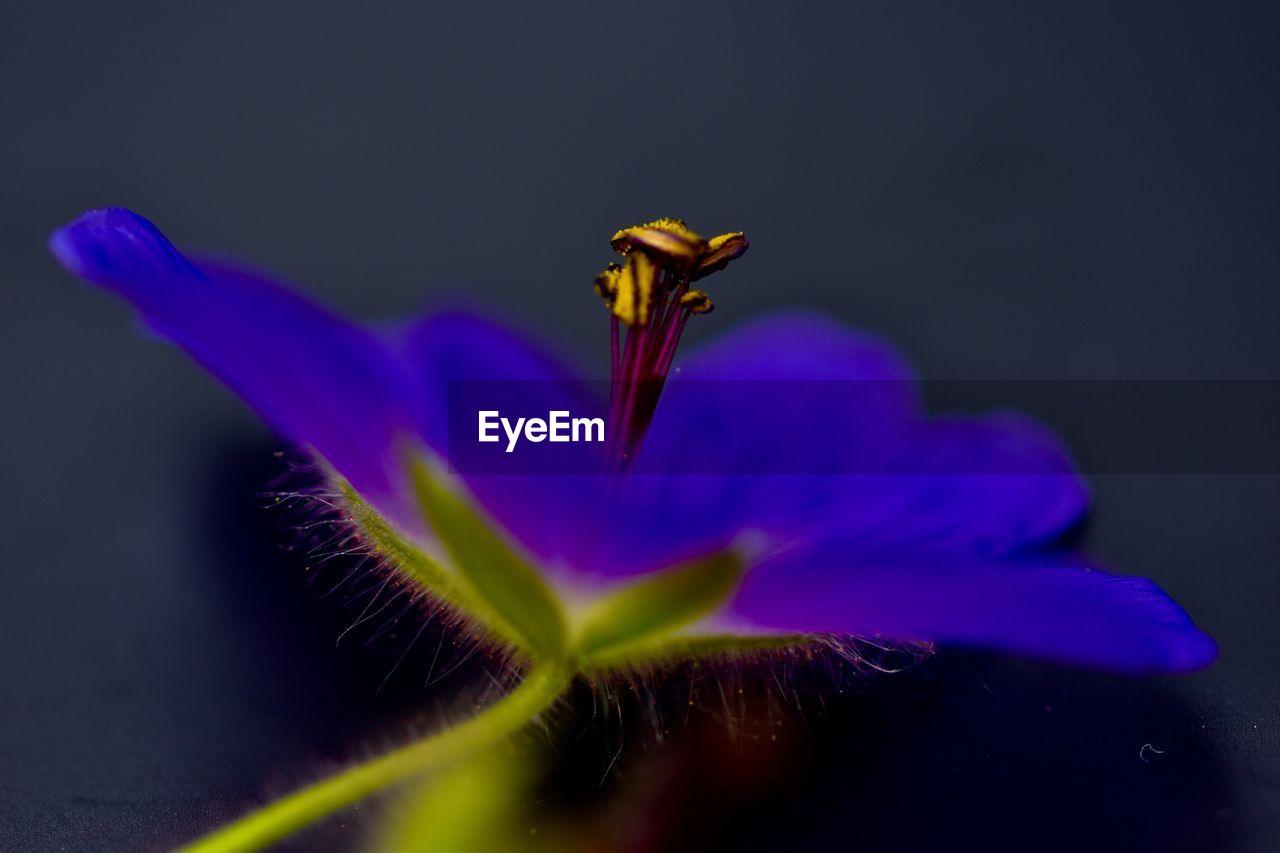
(607,282)
(662,258)
(698,302)
(720,250)
(634,284)
(667,236)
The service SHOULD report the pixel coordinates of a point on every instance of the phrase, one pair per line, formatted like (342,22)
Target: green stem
(540,689)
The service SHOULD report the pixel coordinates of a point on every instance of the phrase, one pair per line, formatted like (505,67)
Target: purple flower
(756,545)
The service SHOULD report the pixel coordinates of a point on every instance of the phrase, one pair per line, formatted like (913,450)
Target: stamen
(698,302)
(670,237)
(720,250)
(649,294)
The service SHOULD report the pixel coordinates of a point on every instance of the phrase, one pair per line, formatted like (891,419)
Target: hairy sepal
(644,613)
(506,582)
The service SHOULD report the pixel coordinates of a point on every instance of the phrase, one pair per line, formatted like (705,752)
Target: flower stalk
(542,686)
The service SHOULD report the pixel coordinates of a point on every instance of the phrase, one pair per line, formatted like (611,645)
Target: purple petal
(464,348)
(847,410)
(990,484)
(710,415)
(1045,606)
(567,521)
(315,378)
(795,345)
(587,524)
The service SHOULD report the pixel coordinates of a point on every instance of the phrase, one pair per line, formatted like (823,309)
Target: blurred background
(1008,190)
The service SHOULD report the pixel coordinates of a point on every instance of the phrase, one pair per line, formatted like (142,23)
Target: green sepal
(491,566)
(669,649)
(420,568)
(638,615)
(447,587)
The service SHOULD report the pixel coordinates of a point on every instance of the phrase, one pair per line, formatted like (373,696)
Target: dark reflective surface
(1075,191)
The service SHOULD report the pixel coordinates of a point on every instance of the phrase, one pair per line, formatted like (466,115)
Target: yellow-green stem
(540,689)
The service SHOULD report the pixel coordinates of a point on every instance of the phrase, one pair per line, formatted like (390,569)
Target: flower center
(649,293)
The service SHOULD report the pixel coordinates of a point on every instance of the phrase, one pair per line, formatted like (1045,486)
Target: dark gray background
(1008,190)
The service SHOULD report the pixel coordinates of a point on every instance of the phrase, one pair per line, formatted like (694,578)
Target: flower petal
(564,520)
(1046,606)
(806,427)
(315,378)
(991,484)
(458,347)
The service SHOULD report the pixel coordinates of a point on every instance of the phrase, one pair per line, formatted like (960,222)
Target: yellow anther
(698,302)
(607,282)
(632,295)
(662,257)
(670,237)
(720,250)
(672,224)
